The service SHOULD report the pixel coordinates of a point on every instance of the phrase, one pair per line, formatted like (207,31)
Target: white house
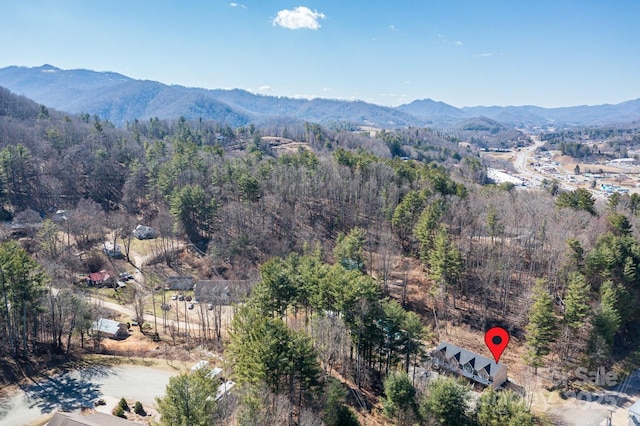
(200,365)
(223,389)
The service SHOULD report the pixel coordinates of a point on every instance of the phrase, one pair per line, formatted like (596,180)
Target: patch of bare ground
(281,146)
(14,372)
(503,156)
(355,397)
(148,416)
(140,347)
(569,163)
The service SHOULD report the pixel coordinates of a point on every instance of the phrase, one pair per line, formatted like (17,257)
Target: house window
(468,368)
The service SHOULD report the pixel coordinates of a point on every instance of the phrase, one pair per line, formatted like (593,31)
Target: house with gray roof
(95,419)
(110,328)
(222,292)
(179,283)
(469,364)
(143,232)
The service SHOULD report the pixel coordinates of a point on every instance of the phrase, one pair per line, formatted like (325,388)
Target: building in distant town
(623,162)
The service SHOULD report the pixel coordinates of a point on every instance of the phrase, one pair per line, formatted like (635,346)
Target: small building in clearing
(110,328)
(470,365)
(112,250)
(143,232)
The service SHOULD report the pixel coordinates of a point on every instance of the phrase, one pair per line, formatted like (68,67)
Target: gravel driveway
(73,390)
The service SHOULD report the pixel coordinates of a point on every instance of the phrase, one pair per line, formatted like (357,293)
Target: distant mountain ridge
(119,99)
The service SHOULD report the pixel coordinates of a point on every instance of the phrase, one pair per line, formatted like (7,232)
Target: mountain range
(119,99)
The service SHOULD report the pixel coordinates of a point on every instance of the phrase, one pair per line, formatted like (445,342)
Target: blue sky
(465,53)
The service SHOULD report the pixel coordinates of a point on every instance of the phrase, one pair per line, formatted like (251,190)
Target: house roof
(200,364)
(221,291)
(635,409)
(478,362)
(214,372)
(224,388)
(95,419)
(179,282)
(107,326)
(143,231)
(112,247)
(100,275)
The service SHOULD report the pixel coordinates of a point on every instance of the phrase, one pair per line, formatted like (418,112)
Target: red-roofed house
(103,277)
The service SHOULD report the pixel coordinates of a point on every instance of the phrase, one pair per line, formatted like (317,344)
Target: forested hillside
(367,248)
(593,143)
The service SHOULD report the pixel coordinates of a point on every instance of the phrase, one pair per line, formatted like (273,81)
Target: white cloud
(442,39)
(299,18)
(237,5)
(393,28)
(483,55)
(327,89)
(265,88)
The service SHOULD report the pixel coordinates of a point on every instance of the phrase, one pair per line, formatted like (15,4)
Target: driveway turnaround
(73,390)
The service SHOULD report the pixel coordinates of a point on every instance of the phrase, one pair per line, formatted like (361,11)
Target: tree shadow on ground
(5,406)
(67,391)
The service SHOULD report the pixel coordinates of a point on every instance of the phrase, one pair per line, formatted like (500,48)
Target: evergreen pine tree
(542,329)
(576,301)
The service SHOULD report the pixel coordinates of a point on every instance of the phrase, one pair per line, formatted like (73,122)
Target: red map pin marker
(496,339)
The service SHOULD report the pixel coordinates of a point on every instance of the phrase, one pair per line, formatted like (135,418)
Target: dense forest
(329,220)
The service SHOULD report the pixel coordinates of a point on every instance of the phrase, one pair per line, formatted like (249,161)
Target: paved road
(73,390)
(522,159)
(593,409)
